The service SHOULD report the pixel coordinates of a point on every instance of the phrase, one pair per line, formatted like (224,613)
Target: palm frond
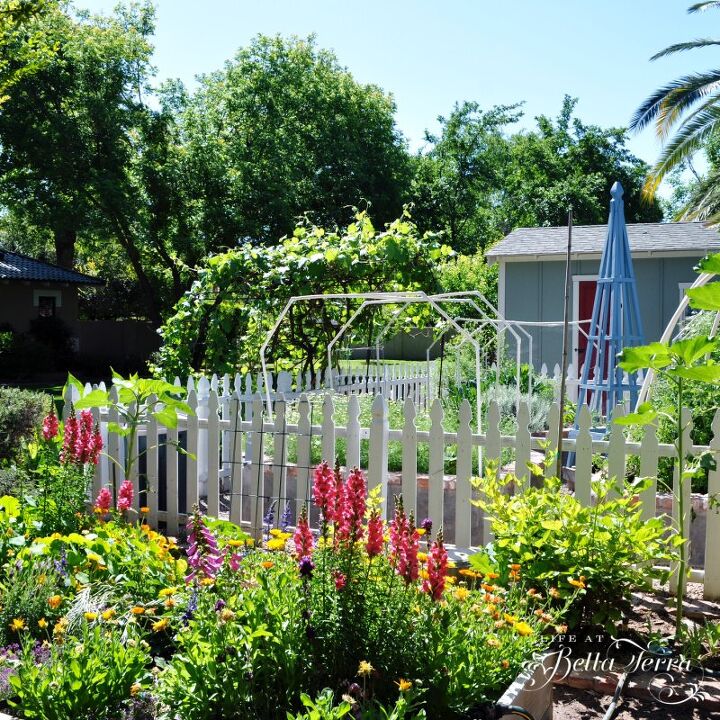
(685,91)
(703,6)
(670,112)
(687,140)
(690,45)
(704,201)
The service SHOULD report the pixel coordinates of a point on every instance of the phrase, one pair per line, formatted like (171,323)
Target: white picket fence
(237,460)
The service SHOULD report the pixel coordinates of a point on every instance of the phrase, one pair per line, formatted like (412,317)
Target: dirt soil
(586,697)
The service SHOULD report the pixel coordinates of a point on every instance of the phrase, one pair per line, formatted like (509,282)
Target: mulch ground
(587,693)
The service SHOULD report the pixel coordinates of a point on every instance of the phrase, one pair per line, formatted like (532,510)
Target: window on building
(46,306)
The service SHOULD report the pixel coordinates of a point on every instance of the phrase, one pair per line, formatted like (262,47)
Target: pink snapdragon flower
(303,537)
(125,496)
(50,424)
(82,440)
(350,514)
(376,532)
(437,564)
(325,491)
(70,437)
(103,502)
(204,556)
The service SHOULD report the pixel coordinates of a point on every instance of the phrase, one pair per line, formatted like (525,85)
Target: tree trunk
(65,247)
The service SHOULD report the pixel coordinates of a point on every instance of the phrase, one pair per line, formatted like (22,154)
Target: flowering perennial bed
(103,617)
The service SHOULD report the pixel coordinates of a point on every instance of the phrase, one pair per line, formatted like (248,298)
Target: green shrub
(606,550)
(21,411)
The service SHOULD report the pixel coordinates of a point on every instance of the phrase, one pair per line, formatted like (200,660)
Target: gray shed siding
(534,291)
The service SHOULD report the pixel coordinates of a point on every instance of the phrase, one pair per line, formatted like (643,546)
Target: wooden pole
(563,368)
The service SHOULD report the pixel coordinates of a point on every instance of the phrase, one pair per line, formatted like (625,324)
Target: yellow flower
(144,509)
(108,614)
(422,557)
(461,593)
(135,689)
(510,618)
(421,531)
(522,628)
(236,543)
(60,626)
(54,601)
(579,583)
(17,624)
(403,684)
(90,616)
(42,578)
(207,581)
(275,532)
(450,580)
(466,572)
(165,592)
(365,668)
(42,623)
(276,544)
(138,610)
(160,625)
(94,557)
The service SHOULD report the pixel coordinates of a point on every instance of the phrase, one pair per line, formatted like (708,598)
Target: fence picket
(352,446)
(303,453)
(409,457)
(236,466)
(583,457)
(649,468)
(463,489)
(378,452)
(522,446)
(152,474)
(328,430)
(436,464)
(191,464)
(616,449)
(552,421)
(171,492)
(213,456)
(256,468)
(279,470)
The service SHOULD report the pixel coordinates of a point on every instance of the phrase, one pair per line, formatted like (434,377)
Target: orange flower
(54,601)
(579,583)
(267,564)
(505,664)
(138,610)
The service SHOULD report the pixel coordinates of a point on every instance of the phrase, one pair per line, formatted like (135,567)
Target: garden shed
(532,272)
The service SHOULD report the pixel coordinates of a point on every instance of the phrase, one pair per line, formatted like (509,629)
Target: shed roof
(14,266)
(666,238)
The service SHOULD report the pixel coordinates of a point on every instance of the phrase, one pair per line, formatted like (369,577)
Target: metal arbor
(615,323)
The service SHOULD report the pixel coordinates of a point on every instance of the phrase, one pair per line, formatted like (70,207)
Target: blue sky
(431,54)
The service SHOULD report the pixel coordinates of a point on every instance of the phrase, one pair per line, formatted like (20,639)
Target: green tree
(566,162)
(69,131)
(457,183)
(685,110)
(222,320)
(26,42)
(283,130)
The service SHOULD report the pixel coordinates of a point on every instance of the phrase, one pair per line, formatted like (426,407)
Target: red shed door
(586,299)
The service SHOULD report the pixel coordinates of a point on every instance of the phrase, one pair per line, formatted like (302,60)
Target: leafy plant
(20,413)
(93,678)
(683,361)
(136,399)
(604,551)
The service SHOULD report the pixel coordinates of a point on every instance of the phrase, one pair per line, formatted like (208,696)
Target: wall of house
(18,303)
(534,291)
